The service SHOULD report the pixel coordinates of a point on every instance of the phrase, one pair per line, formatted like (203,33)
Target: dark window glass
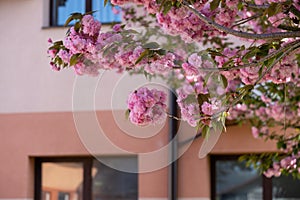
(232,180)
(61,10)
(111,184)
(286,188)
(63,196)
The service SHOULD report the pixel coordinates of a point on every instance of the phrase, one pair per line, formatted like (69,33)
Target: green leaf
(105,2)
(72,17)
(127,112)
(151,45)
(240,5)
(74,59)
(77,26)
(129,32)
(205,132)
(288,28)
(167,7)
(161,52)
(251,53)
(206,77)
(214,4)
(190,99)
(273,9)
(90,12)
(260,71)
(202,98)
(281,145)
(224,80)
(161,2)
(214,52)
(108,49)
(295,11)
(142,56)
(60,42)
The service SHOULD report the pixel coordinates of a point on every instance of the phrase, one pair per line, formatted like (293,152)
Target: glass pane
(62,181)
(111,184)
(66,7)
(105,14)
(286,188)
(234,181)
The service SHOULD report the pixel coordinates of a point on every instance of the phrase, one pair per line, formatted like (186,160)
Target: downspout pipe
(173,167)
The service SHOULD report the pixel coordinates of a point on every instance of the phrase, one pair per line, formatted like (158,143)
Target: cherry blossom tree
(227,59)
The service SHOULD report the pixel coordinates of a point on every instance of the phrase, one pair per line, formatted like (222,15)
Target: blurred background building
(65,137)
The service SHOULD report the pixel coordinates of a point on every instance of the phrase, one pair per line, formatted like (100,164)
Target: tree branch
(285,53)
(251,5)
(264,36)
(274,53)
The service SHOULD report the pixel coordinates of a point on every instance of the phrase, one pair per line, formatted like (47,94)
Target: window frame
(87,163)
(266,182)
(53,15)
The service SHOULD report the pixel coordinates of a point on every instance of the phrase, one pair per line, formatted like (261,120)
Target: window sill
(63,27)
(55,27)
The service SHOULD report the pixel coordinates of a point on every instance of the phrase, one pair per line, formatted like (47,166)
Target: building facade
(66,137)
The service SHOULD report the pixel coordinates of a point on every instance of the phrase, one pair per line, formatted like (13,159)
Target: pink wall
(24,136)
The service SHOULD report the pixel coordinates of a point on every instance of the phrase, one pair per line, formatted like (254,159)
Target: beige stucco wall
(27,82)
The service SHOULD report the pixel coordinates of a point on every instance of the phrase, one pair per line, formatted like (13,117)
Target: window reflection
(234,181)
(286,188)
(61,10)
(62,181)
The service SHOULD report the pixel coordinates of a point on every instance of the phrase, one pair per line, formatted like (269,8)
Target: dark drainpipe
(173,167)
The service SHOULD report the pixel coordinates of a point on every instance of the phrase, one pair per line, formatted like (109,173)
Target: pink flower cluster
(94,50)
(188,104)
(147,106)
(162,65)
(288,163)
(181,21)
(282,72)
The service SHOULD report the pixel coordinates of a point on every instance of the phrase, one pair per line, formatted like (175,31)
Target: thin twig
(243,21)
(264,36)
(173,117)
(251,5)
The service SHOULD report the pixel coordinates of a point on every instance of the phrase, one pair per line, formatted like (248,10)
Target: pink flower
(115,10)
(54,66)
(117,27)
(146,106)
(195,60)
(52,53)
(91,26)
(255,132)
(189,69)
(207,108)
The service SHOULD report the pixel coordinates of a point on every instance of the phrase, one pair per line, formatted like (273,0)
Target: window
(232,180)
(60,10)
(84,179)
